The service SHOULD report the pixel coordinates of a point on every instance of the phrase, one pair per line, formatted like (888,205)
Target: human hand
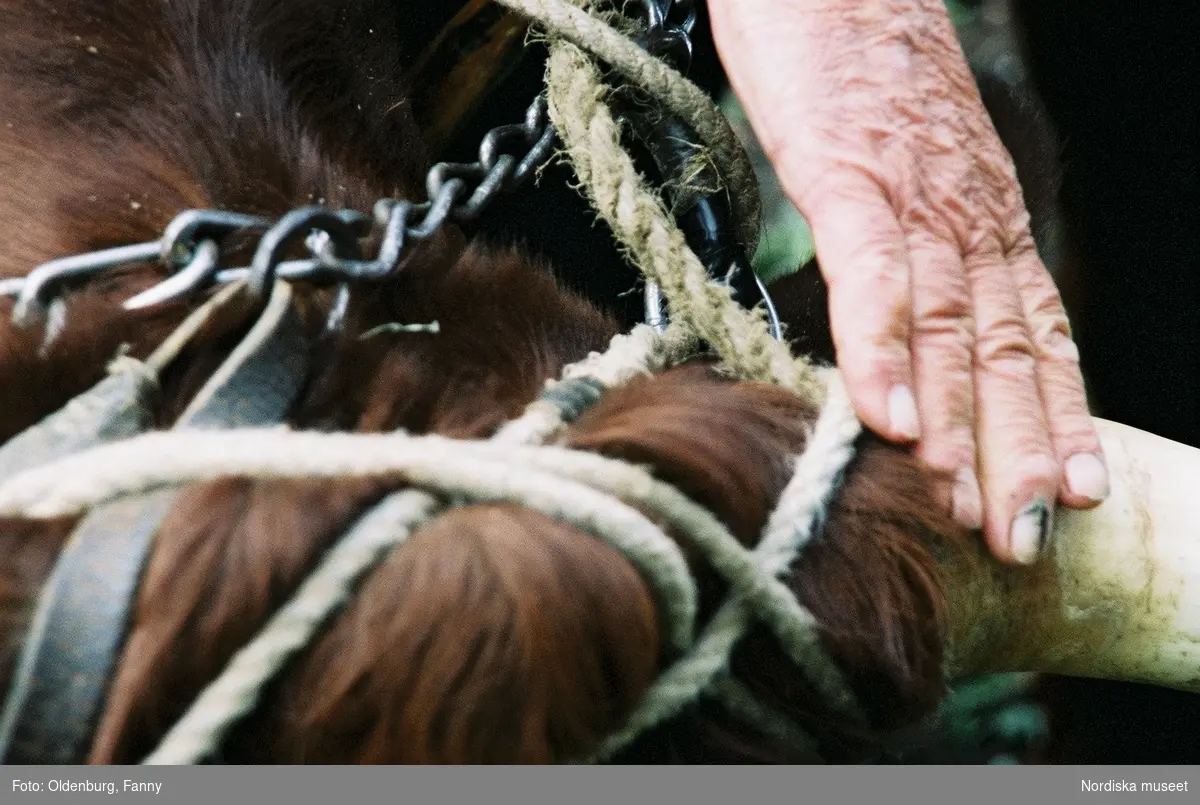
(949,329)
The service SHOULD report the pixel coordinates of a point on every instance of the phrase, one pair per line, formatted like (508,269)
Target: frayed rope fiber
(617,502)
(565,22)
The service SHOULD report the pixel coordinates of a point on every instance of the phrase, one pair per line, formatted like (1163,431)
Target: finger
(943,334)
(1073,434)
(1019,473)
(863,255)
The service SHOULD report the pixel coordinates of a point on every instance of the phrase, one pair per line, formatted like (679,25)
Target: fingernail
(1087,477)
(1029,532)
(902,411)
(968,502)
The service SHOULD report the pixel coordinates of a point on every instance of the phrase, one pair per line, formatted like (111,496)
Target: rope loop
(617,502)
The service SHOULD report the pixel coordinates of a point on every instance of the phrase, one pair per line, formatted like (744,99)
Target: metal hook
(657,319)
(200,270)
(773,322)
(38,286)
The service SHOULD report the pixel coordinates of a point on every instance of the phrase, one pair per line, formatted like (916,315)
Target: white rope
(236,691)
(173,458)
(641,351)
(610,499)
(587,490)
(814,478)
(820,466)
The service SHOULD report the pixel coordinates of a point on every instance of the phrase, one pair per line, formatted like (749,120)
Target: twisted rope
(605,497)
(644,227)
(567,23)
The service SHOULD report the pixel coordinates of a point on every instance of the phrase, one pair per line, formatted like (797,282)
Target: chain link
(668,29)
(705,216)
(191,244)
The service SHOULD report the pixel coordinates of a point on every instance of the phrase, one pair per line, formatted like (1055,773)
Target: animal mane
(495,634)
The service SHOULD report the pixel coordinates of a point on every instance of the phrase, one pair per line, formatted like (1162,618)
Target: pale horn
(1118,594)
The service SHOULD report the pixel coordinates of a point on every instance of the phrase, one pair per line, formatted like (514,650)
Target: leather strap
(116,408)
(83,615)
(119,406)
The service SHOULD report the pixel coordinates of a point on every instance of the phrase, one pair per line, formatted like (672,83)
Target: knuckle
(946,329)
(870,364)
(1037,469)
(1052,336)
(1006,347)
(948,449)
(1074,434)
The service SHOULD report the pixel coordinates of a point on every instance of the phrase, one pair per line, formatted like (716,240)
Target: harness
(700,293)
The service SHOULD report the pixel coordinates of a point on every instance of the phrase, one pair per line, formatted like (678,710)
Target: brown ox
(495,634)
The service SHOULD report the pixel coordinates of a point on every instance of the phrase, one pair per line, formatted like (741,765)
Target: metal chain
(704,217)
(191,244)
(668,29)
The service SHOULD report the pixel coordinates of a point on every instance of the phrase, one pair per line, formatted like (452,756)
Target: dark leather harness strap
(83,615)
(119,406)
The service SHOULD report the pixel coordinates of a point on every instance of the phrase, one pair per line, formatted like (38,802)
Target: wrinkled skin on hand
(949,329)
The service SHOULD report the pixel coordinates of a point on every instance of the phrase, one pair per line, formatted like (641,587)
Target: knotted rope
(605,497)
(565,22)
(637,215)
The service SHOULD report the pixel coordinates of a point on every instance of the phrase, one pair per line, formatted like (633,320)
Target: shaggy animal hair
(494,634)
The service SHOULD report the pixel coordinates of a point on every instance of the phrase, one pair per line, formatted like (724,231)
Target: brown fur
(114,117)
(494,635)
